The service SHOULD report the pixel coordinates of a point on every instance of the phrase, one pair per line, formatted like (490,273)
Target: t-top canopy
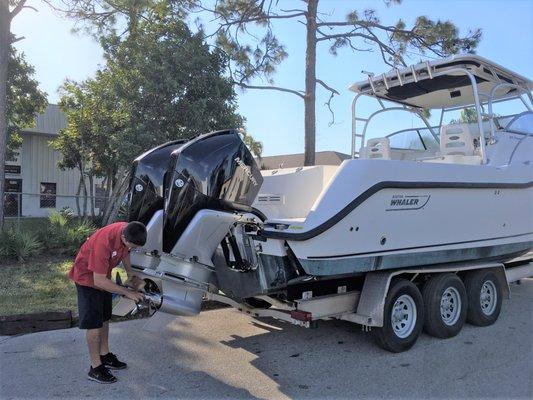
(428,85)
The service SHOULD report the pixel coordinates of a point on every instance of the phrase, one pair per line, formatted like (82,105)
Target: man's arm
(126,262)
(103,282)
(133,280)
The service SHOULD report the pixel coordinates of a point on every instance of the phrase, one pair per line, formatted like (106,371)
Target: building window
(48,195)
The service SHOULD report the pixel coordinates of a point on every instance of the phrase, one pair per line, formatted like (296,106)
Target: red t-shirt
(102,252)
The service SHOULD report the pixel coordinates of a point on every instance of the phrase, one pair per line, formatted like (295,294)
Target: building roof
(50,122)
(297,160)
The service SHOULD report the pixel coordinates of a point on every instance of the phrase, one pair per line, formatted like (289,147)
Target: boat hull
(427,218)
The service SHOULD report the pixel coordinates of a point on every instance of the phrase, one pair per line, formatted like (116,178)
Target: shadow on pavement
(338,360)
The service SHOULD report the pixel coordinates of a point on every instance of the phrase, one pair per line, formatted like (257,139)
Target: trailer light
(300,315)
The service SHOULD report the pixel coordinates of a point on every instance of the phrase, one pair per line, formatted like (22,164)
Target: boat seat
(456,140)
(456,146)
(377,148)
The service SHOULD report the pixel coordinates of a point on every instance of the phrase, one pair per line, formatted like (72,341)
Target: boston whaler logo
(246,170)
(400,202)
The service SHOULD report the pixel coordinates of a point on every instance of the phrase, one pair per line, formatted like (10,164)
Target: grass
(36,286)
(39,285)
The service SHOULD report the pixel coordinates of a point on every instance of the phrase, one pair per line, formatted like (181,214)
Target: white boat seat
(377,148)
(456,140)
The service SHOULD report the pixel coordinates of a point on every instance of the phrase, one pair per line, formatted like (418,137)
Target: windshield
(522,123)
(414,139)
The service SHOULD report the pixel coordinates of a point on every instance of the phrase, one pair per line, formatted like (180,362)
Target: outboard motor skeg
(214,171)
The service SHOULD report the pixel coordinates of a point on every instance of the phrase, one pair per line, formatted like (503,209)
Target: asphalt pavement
(224,354)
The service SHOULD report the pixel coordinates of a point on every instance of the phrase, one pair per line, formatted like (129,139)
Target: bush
(77,234)
(19,245)
(123,210)
(65,233)
(54,235)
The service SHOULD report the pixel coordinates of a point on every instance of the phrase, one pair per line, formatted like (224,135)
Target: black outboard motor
(147,181)
(194,187)
(214,171)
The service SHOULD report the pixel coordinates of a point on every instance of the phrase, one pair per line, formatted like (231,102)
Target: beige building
(34,183)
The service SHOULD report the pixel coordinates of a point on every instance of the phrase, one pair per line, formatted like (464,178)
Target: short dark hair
(135,232)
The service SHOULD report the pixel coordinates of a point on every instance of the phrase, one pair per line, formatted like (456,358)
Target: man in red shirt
(91,272)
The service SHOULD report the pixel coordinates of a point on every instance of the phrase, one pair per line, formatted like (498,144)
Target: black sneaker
(101,374)
(111,361)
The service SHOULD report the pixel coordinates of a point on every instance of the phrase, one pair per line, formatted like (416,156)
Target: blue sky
(276,118)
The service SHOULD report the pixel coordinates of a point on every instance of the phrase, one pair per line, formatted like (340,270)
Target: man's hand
(101,281)
(133,295)
(135,282)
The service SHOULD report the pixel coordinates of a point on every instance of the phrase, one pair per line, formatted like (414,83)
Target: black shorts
(94,307)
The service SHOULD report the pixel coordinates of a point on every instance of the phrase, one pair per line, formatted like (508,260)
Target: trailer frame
(366,307)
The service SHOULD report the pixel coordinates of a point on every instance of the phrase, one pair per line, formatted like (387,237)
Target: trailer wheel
(403,317)
(484,297)
(445,302)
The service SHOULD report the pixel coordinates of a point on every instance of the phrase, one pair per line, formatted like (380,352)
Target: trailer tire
(403,317)
(445,303)
(484,297)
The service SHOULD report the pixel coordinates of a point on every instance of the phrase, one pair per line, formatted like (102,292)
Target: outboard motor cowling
(146,202)
(147,181)
(214,171)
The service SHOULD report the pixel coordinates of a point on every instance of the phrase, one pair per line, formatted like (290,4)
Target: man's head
(134,235)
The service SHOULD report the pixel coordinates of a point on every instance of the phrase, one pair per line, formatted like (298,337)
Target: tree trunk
(84,190)
(91,193)
(5,42)
(78,208)
(119,192)
(310,84)
(105,199)
(108,182)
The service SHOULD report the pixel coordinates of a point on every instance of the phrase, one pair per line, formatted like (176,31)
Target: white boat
(324,241)
(419,196)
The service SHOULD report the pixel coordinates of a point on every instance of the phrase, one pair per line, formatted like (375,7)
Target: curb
(35,322)
(20,324)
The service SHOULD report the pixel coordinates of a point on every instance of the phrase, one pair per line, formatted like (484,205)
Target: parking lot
(224,354)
